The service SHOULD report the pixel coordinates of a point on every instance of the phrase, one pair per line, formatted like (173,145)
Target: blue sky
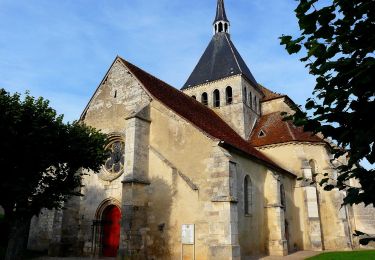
(61,49)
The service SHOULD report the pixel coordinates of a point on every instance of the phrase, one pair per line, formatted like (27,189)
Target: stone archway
(111,218)
(107,228)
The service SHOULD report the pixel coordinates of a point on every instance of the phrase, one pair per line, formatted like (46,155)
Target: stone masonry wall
(41,228)
(119,95)
(242,114)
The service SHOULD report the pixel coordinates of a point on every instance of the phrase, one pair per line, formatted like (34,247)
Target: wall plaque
(187,234)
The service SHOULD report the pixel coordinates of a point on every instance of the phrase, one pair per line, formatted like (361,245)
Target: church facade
(206,172)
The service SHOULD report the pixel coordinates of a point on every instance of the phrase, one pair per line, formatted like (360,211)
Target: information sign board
(187,234)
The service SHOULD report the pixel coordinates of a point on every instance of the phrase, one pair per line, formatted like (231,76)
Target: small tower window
(216,98)
(194,97)
(220,27)
(226,27)
(229,95)
(204,99)
(248,195)
(251,99)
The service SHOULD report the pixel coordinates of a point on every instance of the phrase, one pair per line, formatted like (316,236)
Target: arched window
(204,99)
(220,27)
(194,97)
(245,95)
(248,195)
(251,99)
(229,95)
(216,98)
(226,27)
(282,195)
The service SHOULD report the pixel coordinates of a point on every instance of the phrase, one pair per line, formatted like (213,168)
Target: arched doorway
(111,218)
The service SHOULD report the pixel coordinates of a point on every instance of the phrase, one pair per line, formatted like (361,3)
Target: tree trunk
(18,237)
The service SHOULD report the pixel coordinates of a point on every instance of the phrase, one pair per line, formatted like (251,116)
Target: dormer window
(261,133)
(204,99)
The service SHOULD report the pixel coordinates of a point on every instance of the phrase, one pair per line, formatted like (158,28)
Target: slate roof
(220,60)
(276,131)
(220,12)
(196,113)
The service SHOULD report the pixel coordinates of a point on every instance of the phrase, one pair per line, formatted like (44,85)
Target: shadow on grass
(347,255)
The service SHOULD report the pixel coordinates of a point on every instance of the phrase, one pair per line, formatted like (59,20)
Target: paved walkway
(295,256)
(73,258)
(300,255)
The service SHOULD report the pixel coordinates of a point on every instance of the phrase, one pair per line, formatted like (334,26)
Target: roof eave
(275,167)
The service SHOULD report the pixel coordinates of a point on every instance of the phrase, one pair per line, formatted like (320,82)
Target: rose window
(114,165)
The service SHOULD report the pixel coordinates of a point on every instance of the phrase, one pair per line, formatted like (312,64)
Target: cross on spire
(221,23)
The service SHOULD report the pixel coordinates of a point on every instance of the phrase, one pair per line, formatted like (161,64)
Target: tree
(338,42)
(41,159)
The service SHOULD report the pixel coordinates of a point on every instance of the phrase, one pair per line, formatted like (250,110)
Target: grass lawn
(362,255)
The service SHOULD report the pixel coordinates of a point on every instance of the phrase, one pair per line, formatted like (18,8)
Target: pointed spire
(220,12)
(221,23)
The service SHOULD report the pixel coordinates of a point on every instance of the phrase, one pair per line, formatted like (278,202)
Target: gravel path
(295,256)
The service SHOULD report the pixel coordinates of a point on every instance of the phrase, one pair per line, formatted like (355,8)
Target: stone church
(206,172)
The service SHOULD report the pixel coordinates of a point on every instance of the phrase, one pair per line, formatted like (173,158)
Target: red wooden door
(111,231)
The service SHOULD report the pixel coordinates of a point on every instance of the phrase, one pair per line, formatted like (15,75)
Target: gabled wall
(276,105)
(118,96)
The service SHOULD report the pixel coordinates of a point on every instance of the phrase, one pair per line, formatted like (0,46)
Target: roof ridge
(269,94)
(234,55)
(267,89)
(290,130)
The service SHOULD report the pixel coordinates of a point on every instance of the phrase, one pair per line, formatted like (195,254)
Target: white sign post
(187,237)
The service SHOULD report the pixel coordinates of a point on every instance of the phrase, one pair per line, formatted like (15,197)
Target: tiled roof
(269,95)
(196,113)
(271,129)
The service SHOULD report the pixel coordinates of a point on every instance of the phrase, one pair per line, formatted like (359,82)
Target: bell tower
(222,81)
(221,23)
